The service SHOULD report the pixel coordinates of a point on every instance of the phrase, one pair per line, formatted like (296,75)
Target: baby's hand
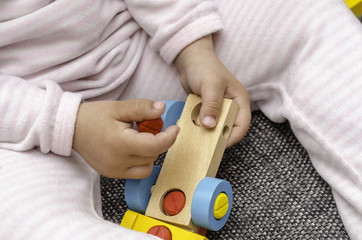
(104,137)
(202,73)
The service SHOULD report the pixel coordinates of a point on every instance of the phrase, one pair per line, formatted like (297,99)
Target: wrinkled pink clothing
(89,48)
(299,60)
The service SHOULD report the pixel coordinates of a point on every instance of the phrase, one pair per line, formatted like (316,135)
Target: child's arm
(40,117)
(203,73)
(48,119)
(174,24)
(178,30)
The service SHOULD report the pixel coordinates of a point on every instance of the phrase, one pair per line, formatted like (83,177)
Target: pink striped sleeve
(32,117)
(170,33)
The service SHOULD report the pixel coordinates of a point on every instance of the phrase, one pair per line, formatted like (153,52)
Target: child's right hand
(104,137)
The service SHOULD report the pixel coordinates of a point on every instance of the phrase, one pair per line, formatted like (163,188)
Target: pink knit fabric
(89,48)
(300,61)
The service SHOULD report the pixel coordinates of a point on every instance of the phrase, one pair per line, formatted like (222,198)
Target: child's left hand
(202,73)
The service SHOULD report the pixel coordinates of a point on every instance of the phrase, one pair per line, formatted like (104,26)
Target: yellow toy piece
(355,6)
(141,223)
(221,206)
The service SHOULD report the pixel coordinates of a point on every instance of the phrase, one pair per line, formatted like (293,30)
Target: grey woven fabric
(277,192)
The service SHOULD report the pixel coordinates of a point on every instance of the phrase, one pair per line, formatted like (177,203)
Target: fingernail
(158,105)
(209,121)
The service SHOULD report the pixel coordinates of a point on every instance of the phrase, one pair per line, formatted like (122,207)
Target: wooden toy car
(185,192)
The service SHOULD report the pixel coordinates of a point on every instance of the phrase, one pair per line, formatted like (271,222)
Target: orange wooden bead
(153,126)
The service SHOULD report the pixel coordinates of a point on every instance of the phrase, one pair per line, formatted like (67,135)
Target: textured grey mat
(277,192)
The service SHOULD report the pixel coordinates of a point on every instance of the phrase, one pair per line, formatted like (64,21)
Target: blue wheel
(211,203)
(137,192)
(172,113)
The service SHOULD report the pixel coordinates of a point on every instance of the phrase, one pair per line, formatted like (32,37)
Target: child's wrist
(192,51)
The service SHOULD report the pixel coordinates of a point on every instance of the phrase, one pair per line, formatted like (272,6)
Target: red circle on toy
(174,202)
(161,232)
